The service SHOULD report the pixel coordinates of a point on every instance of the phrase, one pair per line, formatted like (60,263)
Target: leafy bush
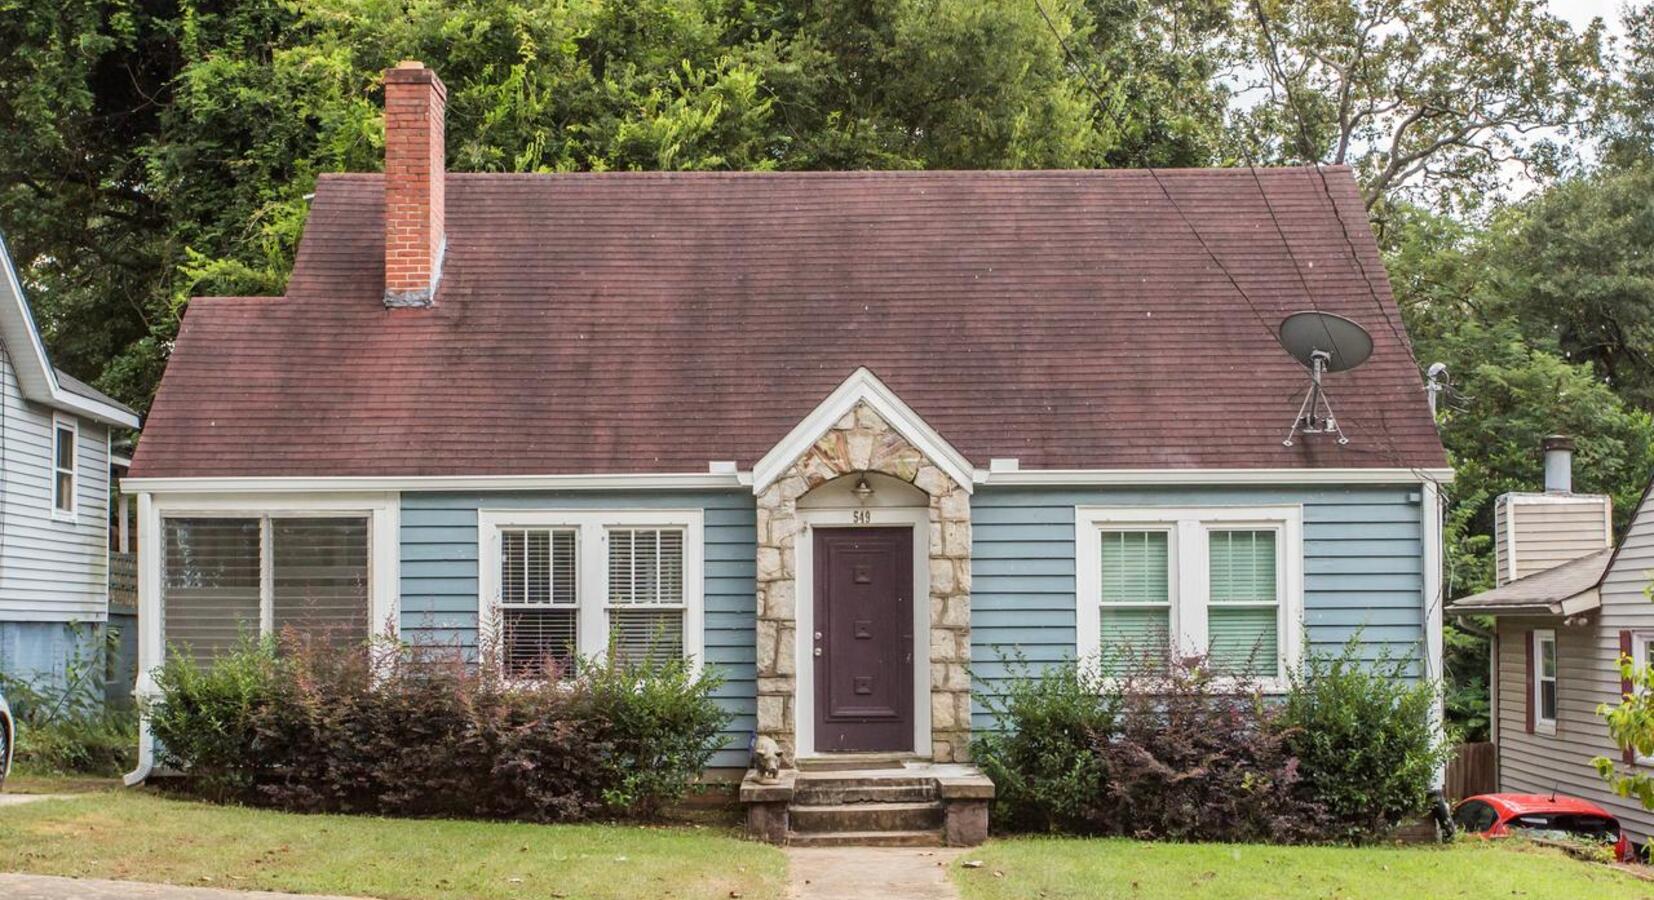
(1040,753)
(1347,753)
(1363,736)
(1193,758)
(69,728)
(395,731)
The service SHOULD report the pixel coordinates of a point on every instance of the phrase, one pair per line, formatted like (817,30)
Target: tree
(1512,384)
(1573,267)
(1427,98)
(153,150)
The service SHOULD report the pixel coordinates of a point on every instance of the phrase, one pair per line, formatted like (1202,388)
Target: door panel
(863,639)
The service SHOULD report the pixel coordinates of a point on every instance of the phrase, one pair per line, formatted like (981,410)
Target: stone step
(866,839)
(823,793)
(850,762)
(808,819)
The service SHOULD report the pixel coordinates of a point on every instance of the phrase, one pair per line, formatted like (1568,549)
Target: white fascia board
(1217,476)
(34,368)
(285,485)
(863,387)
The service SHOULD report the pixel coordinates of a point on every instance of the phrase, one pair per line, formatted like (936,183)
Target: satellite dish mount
(1322,343)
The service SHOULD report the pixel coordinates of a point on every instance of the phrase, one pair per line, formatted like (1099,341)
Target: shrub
(203,720)
(301,726)
(69,728)
(1363,736)
(659,726)
(1040,751)
(1196,759)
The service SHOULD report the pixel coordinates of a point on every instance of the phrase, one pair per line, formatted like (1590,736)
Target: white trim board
(804,716)
(738,480)
(35,375)
(1059,477)
(862,387)
(283,484)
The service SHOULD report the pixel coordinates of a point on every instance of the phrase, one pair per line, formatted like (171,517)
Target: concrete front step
(817,790)
(842,817)
(867,839)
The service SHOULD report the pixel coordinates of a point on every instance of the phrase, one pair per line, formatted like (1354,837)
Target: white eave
(863,387)
(35,375)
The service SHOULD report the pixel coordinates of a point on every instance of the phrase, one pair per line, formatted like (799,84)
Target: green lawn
(144,837)
(1055,868)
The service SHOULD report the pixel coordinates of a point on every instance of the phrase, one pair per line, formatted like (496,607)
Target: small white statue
(766,758)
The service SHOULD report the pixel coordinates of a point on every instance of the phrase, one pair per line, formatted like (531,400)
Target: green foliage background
(154,150)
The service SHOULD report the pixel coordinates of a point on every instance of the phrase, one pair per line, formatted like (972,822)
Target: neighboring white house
(55,450)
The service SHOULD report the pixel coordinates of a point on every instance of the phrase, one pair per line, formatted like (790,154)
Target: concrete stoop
(914,804)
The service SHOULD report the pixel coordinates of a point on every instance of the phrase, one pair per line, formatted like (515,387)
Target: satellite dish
(1346,344)
(1322,343)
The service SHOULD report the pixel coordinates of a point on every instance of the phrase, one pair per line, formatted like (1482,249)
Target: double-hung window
(225,577)
(1223,584)
(539,609)
(558,586)
(1544,680)
(1135,612)
(65,480)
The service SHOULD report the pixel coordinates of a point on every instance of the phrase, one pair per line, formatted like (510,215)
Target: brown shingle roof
(653,322)
(1542,593)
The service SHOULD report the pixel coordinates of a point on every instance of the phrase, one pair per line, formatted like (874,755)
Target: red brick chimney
(415,100)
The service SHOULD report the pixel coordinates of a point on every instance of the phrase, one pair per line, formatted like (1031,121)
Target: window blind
(539,614)
(210,590)
(1135,620)
(1243,615)
(319,579)
(646,611)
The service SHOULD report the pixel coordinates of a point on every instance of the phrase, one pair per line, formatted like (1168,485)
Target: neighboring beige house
(1569,602)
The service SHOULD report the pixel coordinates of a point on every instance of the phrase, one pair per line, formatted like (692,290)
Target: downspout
(149,633)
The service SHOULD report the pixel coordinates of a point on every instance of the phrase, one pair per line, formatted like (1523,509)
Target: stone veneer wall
(862,441)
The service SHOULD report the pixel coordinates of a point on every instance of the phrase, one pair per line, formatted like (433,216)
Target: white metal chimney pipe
(1559,464)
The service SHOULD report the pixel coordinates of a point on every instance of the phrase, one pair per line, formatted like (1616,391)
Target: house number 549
(861,516)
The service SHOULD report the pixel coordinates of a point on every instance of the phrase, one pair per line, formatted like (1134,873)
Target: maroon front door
(863,639)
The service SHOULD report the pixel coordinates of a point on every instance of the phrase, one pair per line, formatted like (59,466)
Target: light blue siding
(1363,567)
(439,577)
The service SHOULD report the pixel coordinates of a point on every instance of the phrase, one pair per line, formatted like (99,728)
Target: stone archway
(862,441)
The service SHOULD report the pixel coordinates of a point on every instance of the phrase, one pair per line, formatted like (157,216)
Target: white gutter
(725,479)
(1057,477)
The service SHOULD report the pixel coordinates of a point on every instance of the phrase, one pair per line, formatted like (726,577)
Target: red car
(1542,815)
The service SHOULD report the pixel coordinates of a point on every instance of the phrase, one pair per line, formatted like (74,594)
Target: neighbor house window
(1220,584)
(64,432)
(559,586)
(1642,651)
(224,578)
(1544,680)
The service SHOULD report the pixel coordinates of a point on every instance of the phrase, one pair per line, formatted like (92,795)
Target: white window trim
(1639,658)
(61,422)
(384,556)
(1541,724)
(1189,579)
(591,577)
